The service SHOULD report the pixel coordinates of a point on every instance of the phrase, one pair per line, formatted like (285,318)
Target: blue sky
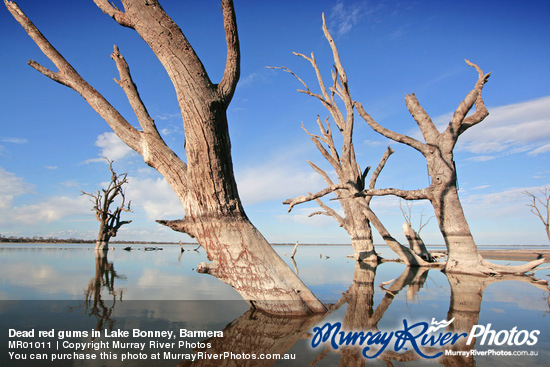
(51,141)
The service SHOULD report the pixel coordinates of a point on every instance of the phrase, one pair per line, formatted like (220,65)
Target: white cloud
(155,197)
(10,187)
(47,211)
(111,147)
(276,181)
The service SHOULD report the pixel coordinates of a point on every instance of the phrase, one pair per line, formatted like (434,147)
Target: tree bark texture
(205,183)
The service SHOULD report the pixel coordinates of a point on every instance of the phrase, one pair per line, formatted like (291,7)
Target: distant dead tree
(540,206)
(204,182)
(352,180)
(108,217)
(416,243)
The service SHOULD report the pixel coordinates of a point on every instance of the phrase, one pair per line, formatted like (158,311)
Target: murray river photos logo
(417,336)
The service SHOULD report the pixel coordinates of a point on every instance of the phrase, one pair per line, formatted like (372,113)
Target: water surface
(68,287)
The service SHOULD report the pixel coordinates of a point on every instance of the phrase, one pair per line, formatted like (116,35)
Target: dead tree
(437,149)
(352,180)
(204,183)
(416,243)
(542,212)
(109,218)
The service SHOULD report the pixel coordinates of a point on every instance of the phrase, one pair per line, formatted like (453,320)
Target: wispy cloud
(515,128)
(13,140)
(540,150)
(510,129)
(10,187)
(251,79)
(344,15)
(168,116)
(481,187)
(506,196)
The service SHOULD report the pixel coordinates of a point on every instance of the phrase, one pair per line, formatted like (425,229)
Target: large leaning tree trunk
(352,180)
(205,185)
(109,218)
(463,256)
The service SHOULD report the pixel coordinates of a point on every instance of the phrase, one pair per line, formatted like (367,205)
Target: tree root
(513,269)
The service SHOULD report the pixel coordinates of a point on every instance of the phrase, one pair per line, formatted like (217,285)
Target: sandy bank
(514,255)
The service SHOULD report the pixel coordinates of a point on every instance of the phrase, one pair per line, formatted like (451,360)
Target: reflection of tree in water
(465,305)
(361,314)
(104,278)
(256,332)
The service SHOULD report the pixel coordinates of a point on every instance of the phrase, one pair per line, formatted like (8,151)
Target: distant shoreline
(54,241)
(533,252)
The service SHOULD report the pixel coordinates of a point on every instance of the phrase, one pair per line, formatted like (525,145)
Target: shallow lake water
(67,288)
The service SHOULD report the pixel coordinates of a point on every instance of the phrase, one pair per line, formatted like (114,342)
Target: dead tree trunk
(463,256)
(108,218)
(205,185)
(352,179)
(540,206)
(416,244)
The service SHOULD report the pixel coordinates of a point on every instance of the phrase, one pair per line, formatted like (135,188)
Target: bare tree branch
(129,87)
(232,64)
(422,225)
(329,211)
(540,206)
(425,123)
(406,215)
(305,198)
(400,138)
(389,151)
(333,160)
(119,16)
(459,122)
(421,194)
(322,173)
